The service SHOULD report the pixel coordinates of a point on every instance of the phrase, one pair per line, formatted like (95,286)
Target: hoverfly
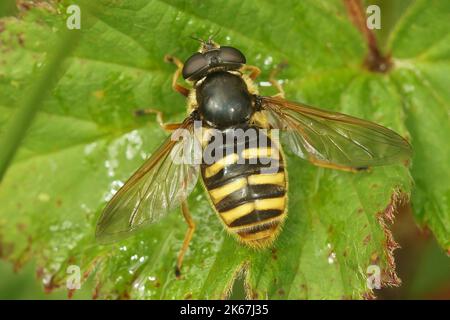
(251,203)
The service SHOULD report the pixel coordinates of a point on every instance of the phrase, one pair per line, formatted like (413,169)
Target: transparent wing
(333,139)
(160,185)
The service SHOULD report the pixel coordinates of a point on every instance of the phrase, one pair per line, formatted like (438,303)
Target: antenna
(211,37)
(197,39)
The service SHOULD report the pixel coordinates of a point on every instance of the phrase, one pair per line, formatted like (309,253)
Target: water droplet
(88,149)
(332,258)
(66,225)
(268,60)
(115,186)
(46,279)
(144,155)
(408,87)
(85,208)
(134,144)
(111,165)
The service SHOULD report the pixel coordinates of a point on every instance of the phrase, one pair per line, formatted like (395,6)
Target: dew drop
(408,88)
(134,144)
(115,186)
(88,149)
(111,165)
(66,225)
(144,155)
(85,208)
(268,60)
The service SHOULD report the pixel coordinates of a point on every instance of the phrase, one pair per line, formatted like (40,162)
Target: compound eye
(231,55)
(194,64)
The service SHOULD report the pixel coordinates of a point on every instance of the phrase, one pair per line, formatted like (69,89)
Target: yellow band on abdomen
(271,204)
(260,153)
(220,164)
(267,178)
(235,213)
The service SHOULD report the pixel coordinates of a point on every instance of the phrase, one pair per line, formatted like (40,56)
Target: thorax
(224,100)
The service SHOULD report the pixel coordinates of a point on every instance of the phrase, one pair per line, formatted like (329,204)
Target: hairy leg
(187,237)
(177,87)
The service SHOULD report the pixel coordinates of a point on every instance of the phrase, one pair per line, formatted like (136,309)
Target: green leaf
(85,141)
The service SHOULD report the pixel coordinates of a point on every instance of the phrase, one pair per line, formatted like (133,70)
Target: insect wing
(159,186)
(335,139)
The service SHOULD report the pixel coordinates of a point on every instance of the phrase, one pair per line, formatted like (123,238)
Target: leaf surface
(85,141)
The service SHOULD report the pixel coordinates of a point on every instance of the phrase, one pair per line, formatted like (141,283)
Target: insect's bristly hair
(211,37)
(203,43)
(197,39)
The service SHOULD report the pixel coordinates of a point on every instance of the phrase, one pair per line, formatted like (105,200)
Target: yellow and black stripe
(249,198)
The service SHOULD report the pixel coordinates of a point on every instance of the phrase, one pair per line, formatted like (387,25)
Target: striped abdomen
(247,185)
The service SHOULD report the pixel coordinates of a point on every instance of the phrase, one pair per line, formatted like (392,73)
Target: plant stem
(375,60)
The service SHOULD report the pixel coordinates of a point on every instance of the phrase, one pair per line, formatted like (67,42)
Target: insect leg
(255,71)
(274,81)
(159,117)
(187,237)
(324,164)
(177,87)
